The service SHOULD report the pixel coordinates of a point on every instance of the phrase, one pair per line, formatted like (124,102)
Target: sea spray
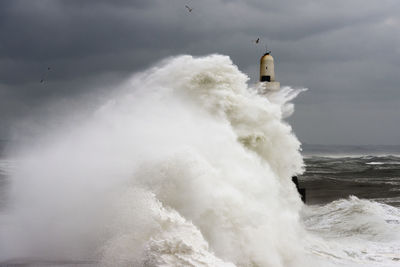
(353,232)
(184,166)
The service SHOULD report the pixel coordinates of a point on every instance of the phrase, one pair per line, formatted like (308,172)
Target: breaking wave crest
(354,232)
(185,166)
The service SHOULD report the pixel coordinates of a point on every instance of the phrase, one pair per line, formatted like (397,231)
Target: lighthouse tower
(267,74)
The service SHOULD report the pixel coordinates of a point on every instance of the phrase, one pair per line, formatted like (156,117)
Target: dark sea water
(336,172)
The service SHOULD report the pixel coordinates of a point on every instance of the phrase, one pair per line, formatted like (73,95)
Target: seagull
(45,75)
(188,8)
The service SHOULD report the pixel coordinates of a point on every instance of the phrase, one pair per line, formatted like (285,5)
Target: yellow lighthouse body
(267,73)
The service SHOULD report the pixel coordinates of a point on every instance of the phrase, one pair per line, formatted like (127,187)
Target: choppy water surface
(353,205)
(370,177)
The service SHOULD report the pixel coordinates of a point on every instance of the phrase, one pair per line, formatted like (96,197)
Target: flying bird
(188,8)
(256,41)
(45,75)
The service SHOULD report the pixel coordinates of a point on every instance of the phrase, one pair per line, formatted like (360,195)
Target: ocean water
(353,204)
(187,165)
(373,177)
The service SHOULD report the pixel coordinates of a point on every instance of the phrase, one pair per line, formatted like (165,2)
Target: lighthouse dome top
(267,52)
(267,56)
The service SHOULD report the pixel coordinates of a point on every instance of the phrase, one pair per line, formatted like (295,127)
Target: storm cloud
(346,52)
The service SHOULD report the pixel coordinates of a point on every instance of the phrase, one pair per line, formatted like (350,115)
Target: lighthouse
(267,74)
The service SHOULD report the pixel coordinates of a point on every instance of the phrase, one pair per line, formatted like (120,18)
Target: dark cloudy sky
(347,52)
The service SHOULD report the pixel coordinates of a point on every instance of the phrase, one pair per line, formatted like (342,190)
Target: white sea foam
(354,232)
(184,166)
(383,163)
